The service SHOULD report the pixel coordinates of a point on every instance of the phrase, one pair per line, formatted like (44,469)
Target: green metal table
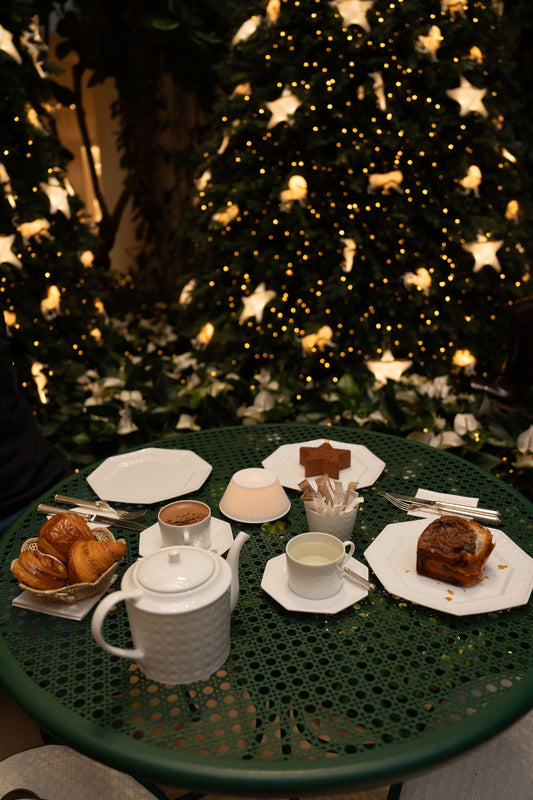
(305,703)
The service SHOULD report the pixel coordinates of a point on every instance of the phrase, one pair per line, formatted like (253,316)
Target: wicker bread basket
(77,591)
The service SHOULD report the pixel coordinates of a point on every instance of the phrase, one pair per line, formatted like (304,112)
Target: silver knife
(94,517)
(460,509)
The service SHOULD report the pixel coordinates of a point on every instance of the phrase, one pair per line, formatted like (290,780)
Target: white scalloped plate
(365,467)
(507,580)
(149,476)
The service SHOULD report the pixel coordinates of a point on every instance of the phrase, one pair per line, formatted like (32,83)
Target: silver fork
(405,505)
(99,505)
(436,506)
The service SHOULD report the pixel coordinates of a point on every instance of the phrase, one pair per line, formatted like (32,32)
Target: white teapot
(179,602)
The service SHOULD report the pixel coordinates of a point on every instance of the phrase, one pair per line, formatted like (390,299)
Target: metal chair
(56,772)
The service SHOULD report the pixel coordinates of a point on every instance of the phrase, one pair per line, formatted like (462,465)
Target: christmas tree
(361,200)
(51,292)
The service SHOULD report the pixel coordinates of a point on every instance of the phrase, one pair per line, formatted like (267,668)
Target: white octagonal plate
(221,538)
(507,578)
(365,467)
(149,476)
(274,582)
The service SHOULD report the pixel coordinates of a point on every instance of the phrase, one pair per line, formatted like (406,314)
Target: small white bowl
(254,495)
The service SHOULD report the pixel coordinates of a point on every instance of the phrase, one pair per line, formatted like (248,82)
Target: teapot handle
(100,612)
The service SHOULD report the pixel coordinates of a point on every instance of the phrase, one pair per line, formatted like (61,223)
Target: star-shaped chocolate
(324,460)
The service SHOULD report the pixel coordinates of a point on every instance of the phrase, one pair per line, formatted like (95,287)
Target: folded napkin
(425,494)
(76,611)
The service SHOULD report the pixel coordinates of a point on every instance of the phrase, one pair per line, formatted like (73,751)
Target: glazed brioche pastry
(58,534)
(89,559)
(454,550)
(39,571)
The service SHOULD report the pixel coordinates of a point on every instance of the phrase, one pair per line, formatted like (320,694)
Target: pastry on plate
(454,550)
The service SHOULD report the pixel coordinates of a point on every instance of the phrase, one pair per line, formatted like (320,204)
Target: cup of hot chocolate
(185,522)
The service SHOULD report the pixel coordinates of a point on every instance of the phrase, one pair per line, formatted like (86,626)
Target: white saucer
(221,538)
(258,521)
(274,583)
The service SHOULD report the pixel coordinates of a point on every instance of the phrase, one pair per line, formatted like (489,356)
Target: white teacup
(185,522)
(315,564)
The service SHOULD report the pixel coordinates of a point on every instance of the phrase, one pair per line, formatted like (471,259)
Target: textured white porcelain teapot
(179,602)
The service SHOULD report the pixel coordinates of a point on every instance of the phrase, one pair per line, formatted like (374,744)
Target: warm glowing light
(317,341)
(10,318)
(204,336)
(421,279)
(472,181)
(7,256)
(40,381)
(297,191)
(283,108)
(388,368)
(385,182)
(7,46)
(484,251)
(50,305)
(428,45)
(254,304)
(464,359)
(38,228)
(227,216)
(469,98)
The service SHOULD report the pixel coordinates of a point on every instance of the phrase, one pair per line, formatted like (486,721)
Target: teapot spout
(232,560)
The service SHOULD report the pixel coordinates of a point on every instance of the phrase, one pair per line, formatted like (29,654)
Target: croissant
(39,571)
(89,559)
(59,532)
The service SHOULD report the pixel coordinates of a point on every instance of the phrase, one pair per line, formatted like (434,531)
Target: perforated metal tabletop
(306,703)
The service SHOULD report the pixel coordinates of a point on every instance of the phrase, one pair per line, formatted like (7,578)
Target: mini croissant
(89,559)
(39,571)
(59,532)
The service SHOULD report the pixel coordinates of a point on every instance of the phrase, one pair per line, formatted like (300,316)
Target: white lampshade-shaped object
(254,495)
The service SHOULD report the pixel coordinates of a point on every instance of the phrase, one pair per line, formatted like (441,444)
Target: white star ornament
(468,97)
(246,30)
(484,252)
(58,197)
(6,44)
(388,367)
(7,256)
(254,304)
(353,12)
(283,108)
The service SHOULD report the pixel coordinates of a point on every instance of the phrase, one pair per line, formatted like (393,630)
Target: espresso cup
(315,564)
(185,522)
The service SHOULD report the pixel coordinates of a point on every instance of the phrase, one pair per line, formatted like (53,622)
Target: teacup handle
(349,547)
(104,606)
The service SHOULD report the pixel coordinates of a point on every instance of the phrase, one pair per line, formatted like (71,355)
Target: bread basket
(73,593)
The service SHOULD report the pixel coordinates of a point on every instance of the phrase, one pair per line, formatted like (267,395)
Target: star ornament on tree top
(283,108)
(484,252)
(468,97)
(353,12)
(254,304)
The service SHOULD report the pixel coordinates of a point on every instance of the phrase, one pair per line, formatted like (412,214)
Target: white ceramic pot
(179,602)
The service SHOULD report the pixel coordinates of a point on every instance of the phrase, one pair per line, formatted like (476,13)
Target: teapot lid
(175,570)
